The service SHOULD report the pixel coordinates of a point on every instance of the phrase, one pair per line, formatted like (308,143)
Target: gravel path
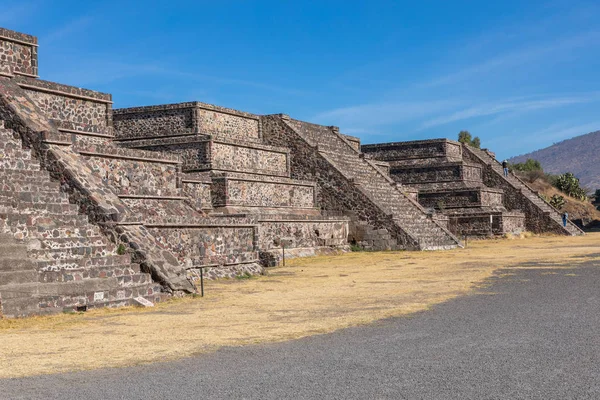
(533,335)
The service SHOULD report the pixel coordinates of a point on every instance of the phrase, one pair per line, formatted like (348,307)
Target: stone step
(22,207)
(48,298)
(48,221)
(15,260)
(72,242)
(71,252)
(16,277)
(86,263)
(9,164)
(8,197)
(29,185)
(10,174)
(14,151)
(68,275)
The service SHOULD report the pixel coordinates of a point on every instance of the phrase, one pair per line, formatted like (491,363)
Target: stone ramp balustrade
(390,208)
(540,215)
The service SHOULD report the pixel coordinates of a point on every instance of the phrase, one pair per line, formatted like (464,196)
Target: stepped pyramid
(103,207)
(468,186)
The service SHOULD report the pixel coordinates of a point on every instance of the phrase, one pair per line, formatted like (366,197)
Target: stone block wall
(209,244)
(199,194)
(186,118)
(248,192)
(475,197)
(200,153)
(18,54)
(480,224)
(147,123)
(258,160)
(354,141)
(435,173)
(302,233)
(425,151)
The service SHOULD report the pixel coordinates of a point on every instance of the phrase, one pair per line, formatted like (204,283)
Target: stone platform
(449,184)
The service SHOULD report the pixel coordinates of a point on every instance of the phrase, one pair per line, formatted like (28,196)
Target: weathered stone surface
(185,118)
(18,54)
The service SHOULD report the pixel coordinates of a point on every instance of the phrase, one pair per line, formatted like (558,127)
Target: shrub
(557,201)
(569,184)
(466,138)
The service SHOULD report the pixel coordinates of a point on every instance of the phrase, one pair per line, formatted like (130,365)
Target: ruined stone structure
(103,207)
(468,186)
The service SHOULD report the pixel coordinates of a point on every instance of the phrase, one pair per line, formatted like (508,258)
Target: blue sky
(521,75)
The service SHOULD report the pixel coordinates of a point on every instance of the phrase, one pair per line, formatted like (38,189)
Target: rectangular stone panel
(252,193)
(302,234)
(134,177)
(213,122)
(199,194)
(230,157)
(208,245)
(426,151)
(475,197)
(154,123)
(18,54)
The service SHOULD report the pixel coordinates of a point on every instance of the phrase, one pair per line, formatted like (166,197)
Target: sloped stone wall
(70,108)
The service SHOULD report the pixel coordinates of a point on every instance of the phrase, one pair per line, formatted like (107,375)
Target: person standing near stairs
(505,167)
(565,218)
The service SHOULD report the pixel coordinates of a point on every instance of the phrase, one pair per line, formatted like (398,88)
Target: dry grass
(309,296)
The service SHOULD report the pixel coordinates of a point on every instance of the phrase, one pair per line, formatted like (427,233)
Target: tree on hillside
(529,165)
(466,138)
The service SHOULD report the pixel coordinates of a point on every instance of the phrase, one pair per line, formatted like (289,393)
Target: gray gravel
(533,335)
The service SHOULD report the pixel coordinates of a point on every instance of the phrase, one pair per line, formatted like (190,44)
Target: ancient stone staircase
(389,197)
(524,190)
(51,257)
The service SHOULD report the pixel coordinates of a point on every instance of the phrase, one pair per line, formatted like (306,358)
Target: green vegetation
(531,170)
(466,138)
(569,184)
(245,275)
(529,165)
(356,247)
(557,201)
(121,249)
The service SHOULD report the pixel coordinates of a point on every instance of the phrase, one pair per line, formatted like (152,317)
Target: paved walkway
(533,335)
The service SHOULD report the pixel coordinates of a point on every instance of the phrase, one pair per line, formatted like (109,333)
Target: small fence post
(202,281)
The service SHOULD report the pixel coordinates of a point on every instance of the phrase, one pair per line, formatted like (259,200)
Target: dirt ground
(309,296)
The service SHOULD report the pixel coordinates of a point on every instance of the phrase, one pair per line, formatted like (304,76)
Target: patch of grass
(121,249)
(355,247)
(245,275)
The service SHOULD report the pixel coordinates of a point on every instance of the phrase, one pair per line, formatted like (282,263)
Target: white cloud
(510,106)
(515,58)
(65,30)
(370,115)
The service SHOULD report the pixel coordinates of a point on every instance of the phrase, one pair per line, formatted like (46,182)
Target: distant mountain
(579,155)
